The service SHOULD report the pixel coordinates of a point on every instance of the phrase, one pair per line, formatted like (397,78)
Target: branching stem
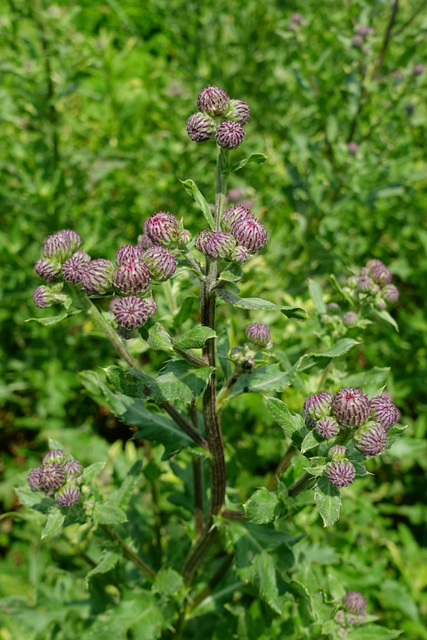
(148,571)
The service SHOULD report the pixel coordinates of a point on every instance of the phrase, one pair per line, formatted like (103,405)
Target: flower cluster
(59,476)
(352,415)
(361,34)
(296,20)
(218,116)
(372,285)
(353,610)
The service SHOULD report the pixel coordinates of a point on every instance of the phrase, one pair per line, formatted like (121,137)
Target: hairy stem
(225,389)
(197,477)
(148,571)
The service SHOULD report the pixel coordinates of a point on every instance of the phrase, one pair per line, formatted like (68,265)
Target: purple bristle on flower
(350,319)
(370,439)
(131,312)
(340,472)
(251,234)
(34,478)
(327,427)
(240,254)
(363,30)
(213,101)
(351,407)
(184,237)
(238,110)
(318,405)
(97,278)
(61,245)
(352,147)
(68,496)
(201,238)
(47,269)
(161,263)
(73,468)
(57,455)
(357,41)
(144,241)
(234,215)
(384,411)
(296,17)
(258,333)
(132,278)
(43,297)
(200,127)
(378,272)
(129,253)
(365,284)
(72,237)
(162,228)
(52,477)
(74,267)
(150,306)
(354,601)
(230,135)
(390,293)
(337,451)
(219,244)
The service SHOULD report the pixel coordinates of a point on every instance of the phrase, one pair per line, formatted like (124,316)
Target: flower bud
(352,282)
(68,496)
(350,319)
(43,297)
(378,272)
(238,110)
(151,306)
(184,237)
(380,303)
(327,427)
(131,312)
(132,278)
(97,278)
(363,30)
(129,253)
(144,241)
(318,405)
(357,41)
(61,245)
(390,293)
(370,439)
(73,468)
(351,407)
(52,477)
(219,244)
(47,269)
(251,234)
(384,411)
(340,472)
(418,70)
(34,478)
(57,455)
(161,263)
(240,254)
(233,215)
(73,268)
(200,127)
(337,451)
(230,135)
(213,100)
(365,284)
(162,228)
(353,147)
(258,333)
(354,601)
(201,240)
(237,355)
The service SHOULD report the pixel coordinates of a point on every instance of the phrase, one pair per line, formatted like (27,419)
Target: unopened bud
(238,110)
(48,269)
(97,278)
(258,333)
(161,263)
(340,472)
(370,439)
(132,278)
(351,407)
(213,100)
(230,135)
(200,127)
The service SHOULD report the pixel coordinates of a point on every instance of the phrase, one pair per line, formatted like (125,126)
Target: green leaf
(373,632)
(191,188)
(158,338)
(339,349)
(382,313)
(52,320)
(293,425)
(302,597)
(311,440)
(317,296)
(155,427)
(168,582)
(262,506)
(34,499)
(266,570)
(90,472)
(376,376)
(55,520)
(106,513)
(342,293)
(258,158)
(328,501)
(122,496)
(258,303)
(195,338)
(233,273)
(268,378)
(108,562)
(394,433)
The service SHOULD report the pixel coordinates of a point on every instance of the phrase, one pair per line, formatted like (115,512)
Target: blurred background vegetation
(94,99)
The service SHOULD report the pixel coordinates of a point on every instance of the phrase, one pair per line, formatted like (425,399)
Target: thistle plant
(338,428)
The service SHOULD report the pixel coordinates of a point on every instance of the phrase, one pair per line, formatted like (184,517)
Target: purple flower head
(354,601)
(219,244)
(238,110)
(68,496)
(47,269)
(57,455)
(297,17)
(370,439)
(351,407)
(73,238)
(129,253)
(398,75)
(230,134)
(52,477)
(327,427)
(318,405)
(357,41)
(131,312)
(73,268)
(365,284)
(363,30)
(251,234)
(340,472)
(390,293)
(34,478)
(259,334)
(61,245)
(384,411)
(333,306)
(353,147)
(234,215)
(150,306)
(418,70)
(201,238)
(161,263)
(213,100)
(73,468)
(378,272)
(184,237)
(240,254)
(97,278)
(144,241)
(350,319)
(200,127)
(132,277)
(43,297)
(337,451)
(162,228)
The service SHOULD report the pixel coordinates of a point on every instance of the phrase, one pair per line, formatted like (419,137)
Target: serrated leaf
(328,501)
(122,496)
(106,513)
(311,440)
(260,304)
(262,506)
(158,338)
(90,472)
(302,597)
(52,320)
(382,313)
(258,158)
(233,273)
(317,296)
(108,562)
(191,188)
(394,433)
(34,499)
(168,582)
(195,338)
(266,570)
(373,632)
(54,522)
(292,424)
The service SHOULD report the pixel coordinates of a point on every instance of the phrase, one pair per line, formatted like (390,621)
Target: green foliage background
(93,105)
